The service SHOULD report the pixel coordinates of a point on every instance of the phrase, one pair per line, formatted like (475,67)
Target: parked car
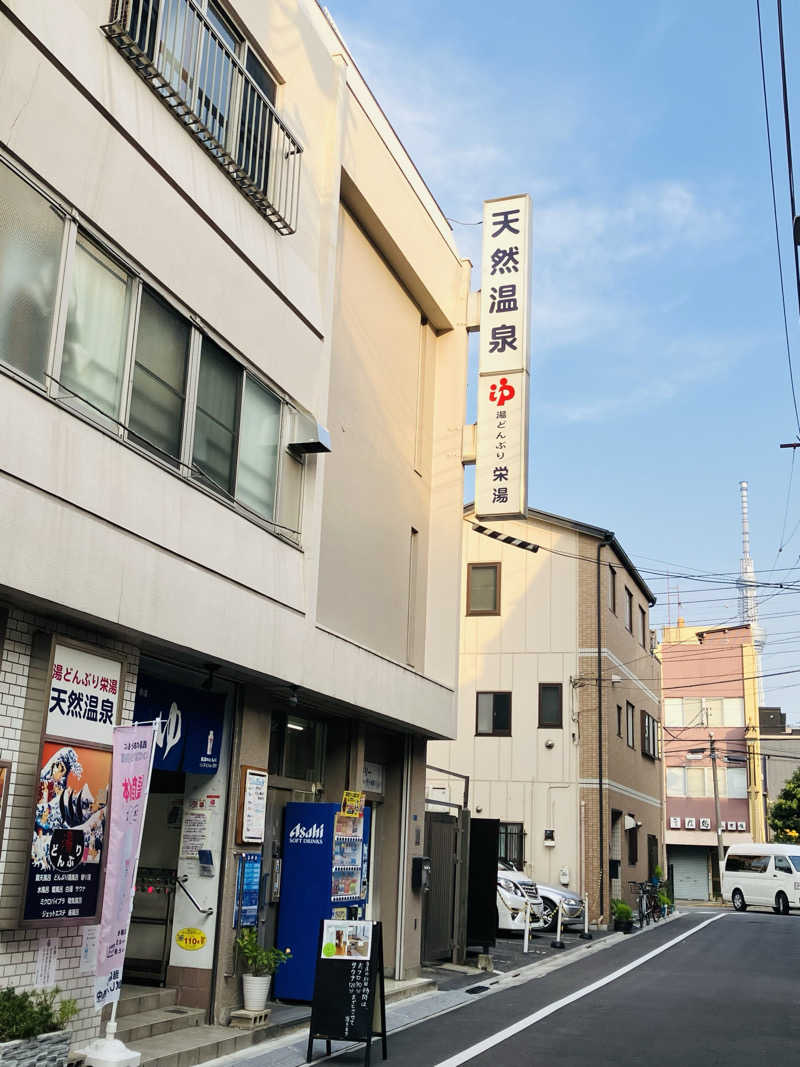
(514,891)
(571,903)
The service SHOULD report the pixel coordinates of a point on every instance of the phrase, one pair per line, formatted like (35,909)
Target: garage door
(689,871)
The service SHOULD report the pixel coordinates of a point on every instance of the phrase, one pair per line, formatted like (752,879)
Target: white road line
(537,1016)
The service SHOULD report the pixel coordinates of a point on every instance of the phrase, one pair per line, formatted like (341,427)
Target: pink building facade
(710,696)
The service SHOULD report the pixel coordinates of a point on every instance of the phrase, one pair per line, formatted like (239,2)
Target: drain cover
(176,1011)
(477,989)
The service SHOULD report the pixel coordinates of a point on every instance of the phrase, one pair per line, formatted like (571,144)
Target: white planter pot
(256,991)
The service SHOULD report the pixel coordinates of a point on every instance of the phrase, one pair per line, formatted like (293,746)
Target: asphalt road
(727,993)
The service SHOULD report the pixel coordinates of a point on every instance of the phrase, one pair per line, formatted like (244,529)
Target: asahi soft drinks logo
(307,835)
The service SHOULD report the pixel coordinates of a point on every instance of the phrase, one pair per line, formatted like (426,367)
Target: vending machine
(325,875)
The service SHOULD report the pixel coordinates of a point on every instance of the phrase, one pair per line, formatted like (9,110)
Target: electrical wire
(775,204)
(788,131)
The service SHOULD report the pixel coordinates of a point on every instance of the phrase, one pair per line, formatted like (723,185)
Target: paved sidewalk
(462,988)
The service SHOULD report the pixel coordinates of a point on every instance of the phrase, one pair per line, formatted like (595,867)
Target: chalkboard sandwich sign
(349,1001)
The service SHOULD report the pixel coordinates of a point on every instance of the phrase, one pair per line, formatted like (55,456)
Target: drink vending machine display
(325,875)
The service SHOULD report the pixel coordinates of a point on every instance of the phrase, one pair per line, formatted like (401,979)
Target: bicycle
(647,903)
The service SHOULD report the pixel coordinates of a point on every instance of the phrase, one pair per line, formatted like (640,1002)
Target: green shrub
(26,1014)
(621,911)
(260,960)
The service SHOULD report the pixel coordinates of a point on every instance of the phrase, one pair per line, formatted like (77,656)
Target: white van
(762,874)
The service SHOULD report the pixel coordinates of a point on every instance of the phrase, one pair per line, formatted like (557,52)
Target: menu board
(349,1003)
(252,805)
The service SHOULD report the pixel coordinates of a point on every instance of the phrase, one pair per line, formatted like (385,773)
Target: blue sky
(659,363)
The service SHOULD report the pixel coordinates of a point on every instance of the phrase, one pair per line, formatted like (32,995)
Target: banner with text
(501,460)
(501,474)
(132,764)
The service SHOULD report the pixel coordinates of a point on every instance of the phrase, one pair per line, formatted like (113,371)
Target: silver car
(517,896)
(571,903)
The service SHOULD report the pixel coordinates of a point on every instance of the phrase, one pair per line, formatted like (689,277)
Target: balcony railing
(178,53)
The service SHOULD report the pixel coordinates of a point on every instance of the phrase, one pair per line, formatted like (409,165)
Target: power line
(788,130)
(775,204)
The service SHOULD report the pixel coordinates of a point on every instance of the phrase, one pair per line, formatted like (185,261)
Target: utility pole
(720,847)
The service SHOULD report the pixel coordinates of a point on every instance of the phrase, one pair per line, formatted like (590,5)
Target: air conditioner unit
(741,826)
(731,825)
(689,824)
(705,824)
(674,822)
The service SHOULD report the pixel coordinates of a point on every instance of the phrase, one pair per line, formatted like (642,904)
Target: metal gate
(441,841)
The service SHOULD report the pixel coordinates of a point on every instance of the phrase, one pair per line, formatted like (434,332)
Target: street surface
(712,987)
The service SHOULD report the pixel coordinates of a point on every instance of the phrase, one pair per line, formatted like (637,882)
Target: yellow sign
(190,939)
(352,803)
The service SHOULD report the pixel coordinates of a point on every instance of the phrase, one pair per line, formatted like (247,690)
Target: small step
(137,998)
(196,1044)
(158,1021)
(410,987)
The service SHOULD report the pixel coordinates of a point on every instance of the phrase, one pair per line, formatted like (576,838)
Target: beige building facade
(578,807)
(233,357)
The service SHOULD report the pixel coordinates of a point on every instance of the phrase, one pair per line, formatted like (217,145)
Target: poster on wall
(85,689)
(65,863)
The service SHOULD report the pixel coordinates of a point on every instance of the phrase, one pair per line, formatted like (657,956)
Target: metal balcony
(178,53)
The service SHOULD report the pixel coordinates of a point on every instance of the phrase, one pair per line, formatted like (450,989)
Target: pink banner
(130,784)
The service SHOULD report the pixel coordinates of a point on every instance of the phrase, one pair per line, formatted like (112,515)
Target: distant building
(709,679)
(780,754)
(535,680)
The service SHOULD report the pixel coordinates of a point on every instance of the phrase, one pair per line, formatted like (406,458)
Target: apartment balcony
(192,68)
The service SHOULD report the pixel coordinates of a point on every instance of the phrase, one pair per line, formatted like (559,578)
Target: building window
(483,589)
(649,736)
(612,589)
(511,844)
(93,360)
(550,705)
(493,715)
(619,720)
(630,713)
(118,352)
(705,711)
(643,626)
(31,235)
(633,843)
(736,782)
(216,420)
(629,609)
(204,70)
(159,377)
(676,781)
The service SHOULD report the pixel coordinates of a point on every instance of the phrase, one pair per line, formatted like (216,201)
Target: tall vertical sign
(133,762)
(503,366)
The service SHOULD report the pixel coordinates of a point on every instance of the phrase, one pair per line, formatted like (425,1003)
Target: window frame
(649,729)
(612,588)
(619,720)
(630,725)
(511,831)
(643,624)
(552,685)
(471,613)
(493,693)
(632,836)
(628,610)
(75,225)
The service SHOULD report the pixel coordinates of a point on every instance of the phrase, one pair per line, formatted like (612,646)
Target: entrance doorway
(150,937)
(179,877)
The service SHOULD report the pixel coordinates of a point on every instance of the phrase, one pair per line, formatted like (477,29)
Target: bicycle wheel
(656,909)
(641,912)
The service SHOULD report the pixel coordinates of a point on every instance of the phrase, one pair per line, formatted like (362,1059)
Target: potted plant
(665,902)
(623,916)
(262,963)
(32,1027)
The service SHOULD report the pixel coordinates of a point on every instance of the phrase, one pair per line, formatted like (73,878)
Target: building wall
(630,674)
(518,779)
(134,553)
(24,686)
(721,664)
